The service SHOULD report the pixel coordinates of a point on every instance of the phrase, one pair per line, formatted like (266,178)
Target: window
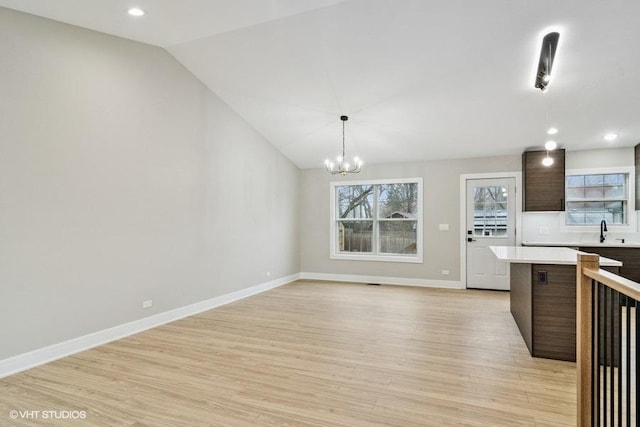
(490,211)
(594,197)
(377,220)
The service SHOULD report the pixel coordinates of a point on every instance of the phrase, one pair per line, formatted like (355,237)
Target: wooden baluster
(583,339)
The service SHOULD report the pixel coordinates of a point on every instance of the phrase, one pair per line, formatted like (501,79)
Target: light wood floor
(313,353)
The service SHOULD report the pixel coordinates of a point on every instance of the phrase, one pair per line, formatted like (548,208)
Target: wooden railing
(608,312)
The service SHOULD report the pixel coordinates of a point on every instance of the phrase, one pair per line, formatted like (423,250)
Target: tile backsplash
(550,227)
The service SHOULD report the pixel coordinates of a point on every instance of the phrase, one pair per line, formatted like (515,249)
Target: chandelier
(341,166)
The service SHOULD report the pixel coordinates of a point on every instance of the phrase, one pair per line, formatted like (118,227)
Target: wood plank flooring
(313,353)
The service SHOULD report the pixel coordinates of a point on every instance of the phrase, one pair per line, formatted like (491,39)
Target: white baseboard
(53,352)
(383,280)
(50,353)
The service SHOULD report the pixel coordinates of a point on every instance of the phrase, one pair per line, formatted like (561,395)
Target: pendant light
(341,166)
(545,63)
(550,145)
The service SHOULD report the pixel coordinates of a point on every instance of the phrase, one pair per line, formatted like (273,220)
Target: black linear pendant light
(545,63)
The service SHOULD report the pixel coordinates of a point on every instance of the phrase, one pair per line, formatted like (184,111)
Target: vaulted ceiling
(419,79)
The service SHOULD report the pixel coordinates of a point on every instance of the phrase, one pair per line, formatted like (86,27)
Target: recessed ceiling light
(550,145)
(552,131)
(135,11)
(611,137)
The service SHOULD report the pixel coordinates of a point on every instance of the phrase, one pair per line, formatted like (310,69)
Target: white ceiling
(419,79)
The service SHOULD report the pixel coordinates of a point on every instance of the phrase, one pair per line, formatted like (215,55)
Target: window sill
(384,258)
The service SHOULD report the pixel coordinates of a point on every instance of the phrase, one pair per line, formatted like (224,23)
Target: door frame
(463,212)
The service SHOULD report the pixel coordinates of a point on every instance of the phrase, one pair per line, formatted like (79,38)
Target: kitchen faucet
(603,228)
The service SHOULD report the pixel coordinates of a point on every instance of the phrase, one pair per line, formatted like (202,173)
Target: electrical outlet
(543,231)
(147,304)
(445,272)
(443,227)
(543,278)
(268,274)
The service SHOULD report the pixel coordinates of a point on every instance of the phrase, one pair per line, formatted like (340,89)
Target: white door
(490,222)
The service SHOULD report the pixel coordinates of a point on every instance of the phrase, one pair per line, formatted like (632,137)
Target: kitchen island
(543,297)
(628,253)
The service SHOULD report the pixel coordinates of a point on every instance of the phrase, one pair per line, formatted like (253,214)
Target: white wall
(122,178)
(550,226)
(441,205)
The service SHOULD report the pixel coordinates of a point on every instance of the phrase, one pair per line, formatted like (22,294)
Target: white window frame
(629,213)
(354,256)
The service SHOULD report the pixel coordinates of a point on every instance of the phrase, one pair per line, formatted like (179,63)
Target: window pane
(575,218)
(615,191)
(591,180)
(575,192)
(494,194)
(355,236)
(575,181)
(355,201)
(398,201)
(613,206)
(614,179)
(502,194)
(398,237)
(575,213)
(575,206)
(614,212)
(490,211)
(594,192)
(478,195)
(594,212)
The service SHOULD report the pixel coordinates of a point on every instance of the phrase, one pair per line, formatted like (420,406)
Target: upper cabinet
(637,177)
(543,185)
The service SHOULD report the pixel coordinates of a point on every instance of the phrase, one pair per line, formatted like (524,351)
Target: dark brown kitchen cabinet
(543,185)
(543,304)
(629,257)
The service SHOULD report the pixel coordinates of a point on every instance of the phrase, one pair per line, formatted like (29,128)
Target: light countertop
(606,244)
(544,255)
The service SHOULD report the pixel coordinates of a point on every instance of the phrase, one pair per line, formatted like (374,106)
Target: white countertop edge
(544,255)
(585,244)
